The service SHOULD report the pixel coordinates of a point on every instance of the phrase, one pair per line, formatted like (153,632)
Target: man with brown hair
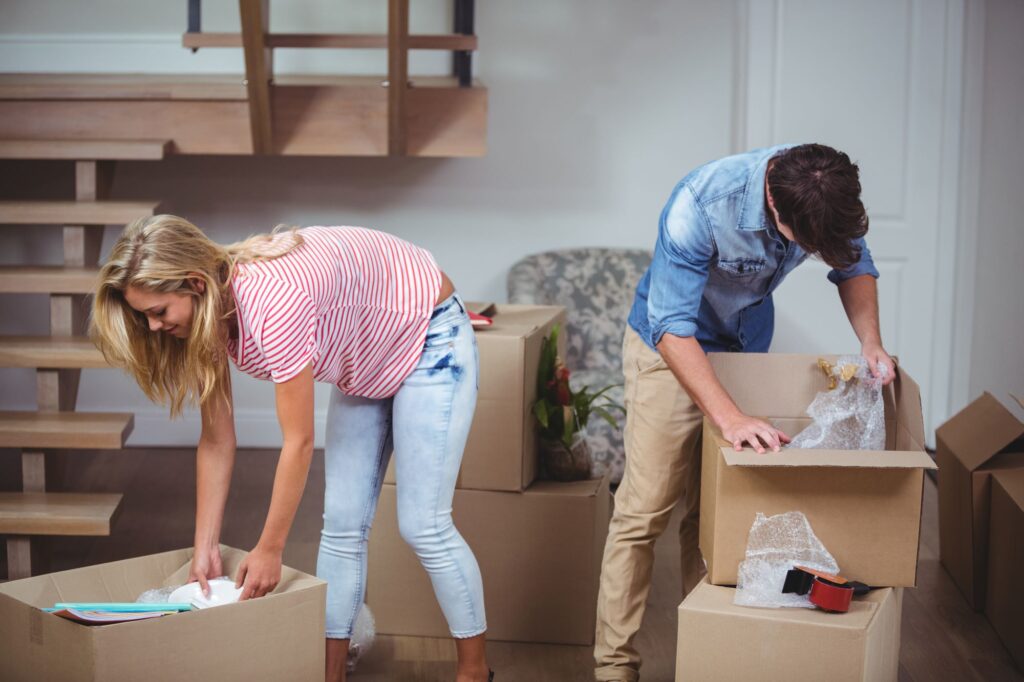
(730,232)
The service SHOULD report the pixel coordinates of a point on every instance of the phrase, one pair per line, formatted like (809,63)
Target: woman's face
(170,312)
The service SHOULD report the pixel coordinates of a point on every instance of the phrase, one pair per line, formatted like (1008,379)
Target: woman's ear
(196,282)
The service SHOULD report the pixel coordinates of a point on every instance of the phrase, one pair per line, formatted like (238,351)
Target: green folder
(119,607)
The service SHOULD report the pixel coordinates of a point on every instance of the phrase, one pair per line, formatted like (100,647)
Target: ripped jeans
(427,421)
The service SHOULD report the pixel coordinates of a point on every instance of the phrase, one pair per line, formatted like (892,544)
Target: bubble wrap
(364,631)
(850,416)
(775,545)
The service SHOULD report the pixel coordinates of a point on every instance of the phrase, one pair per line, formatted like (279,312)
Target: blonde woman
(364,311)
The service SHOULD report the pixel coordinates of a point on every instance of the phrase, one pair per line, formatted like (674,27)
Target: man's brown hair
(816,190)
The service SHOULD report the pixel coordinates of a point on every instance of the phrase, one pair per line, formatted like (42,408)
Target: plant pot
(561,463)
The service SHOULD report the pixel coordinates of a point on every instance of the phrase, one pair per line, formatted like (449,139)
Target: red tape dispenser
(828,592)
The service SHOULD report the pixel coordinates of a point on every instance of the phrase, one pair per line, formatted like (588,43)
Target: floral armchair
(596,286)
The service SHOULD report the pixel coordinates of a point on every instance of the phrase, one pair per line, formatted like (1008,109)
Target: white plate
(221,592)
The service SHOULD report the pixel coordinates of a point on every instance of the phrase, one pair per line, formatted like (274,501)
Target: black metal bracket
(462,60)
(195,11)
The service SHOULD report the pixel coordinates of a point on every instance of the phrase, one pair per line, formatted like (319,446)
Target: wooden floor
(942,638)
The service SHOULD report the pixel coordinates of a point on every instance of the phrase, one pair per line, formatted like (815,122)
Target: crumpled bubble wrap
(364,632)
(775,545)
(850,416)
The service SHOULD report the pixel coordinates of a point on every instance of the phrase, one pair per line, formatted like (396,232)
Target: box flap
(518,320)
(779,384)
(794,457)
(909,412)
(485,308)
(980,430)
(1012,481)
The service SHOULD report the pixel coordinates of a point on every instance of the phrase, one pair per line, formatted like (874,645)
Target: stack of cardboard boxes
(864,506)
(980,452)
(538,543)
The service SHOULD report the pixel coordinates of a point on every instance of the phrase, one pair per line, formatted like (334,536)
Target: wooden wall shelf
(260,113)
(314,115)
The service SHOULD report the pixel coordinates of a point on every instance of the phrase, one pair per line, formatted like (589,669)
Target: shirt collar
(753,215)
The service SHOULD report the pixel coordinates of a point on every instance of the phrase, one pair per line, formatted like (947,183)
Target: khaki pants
(662,440)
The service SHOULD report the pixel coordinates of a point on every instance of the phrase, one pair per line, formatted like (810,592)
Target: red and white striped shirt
(354,302)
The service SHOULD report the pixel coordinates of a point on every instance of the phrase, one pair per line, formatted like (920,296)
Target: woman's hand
(206,563)
(259,573)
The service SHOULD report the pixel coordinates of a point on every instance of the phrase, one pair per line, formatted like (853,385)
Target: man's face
(165,312)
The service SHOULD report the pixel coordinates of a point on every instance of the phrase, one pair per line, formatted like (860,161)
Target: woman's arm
(215,458)
(261,570)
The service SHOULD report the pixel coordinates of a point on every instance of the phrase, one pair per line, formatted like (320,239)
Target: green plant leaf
(607,416)
(540,411)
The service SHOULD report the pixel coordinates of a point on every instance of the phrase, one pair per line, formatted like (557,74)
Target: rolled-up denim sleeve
(679,269)
(864,265)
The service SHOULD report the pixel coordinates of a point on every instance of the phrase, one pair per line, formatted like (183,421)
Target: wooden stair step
(58,513)
(56,279)
(74,212)
(65,430)
(86,150)
(50,352)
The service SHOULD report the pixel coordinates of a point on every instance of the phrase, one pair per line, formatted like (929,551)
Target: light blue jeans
(428,422)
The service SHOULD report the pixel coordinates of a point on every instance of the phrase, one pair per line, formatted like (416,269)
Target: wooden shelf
(54,279)
(85,150)
(58,513)
(74,212)
(65,430)
(311,115)
(50,352)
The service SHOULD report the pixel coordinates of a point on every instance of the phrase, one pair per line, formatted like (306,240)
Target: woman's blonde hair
(168,254)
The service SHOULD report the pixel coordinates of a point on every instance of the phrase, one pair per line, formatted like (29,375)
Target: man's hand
(875,355)
(259,573)
(759,434)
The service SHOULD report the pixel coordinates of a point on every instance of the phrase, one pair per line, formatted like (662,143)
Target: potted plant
(562,415)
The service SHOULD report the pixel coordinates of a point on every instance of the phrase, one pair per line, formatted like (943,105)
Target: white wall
(997,345)
(596,109)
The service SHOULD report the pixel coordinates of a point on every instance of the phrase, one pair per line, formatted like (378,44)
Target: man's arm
(690,365)
(860,300)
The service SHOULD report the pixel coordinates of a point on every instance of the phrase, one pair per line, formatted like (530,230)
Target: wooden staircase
(60,356)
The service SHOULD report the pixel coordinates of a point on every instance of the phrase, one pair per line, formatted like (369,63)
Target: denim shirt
(718,259)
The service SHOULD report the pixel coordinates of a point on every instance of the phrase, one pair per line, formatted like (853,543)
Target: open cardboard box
(1004,599)
(985,437)
(721,641)
(277,637)
(864,506)
(501,452)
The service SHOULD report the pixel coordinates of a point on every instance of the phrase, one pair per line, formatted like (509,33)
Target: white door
(880,80)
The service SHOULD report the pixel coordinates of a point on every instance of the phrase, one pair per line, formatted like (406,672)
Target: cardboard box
(539,554)
(984,437)
(1005,601)
(501,453)
(277,637)
(864,506)
(721,641)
